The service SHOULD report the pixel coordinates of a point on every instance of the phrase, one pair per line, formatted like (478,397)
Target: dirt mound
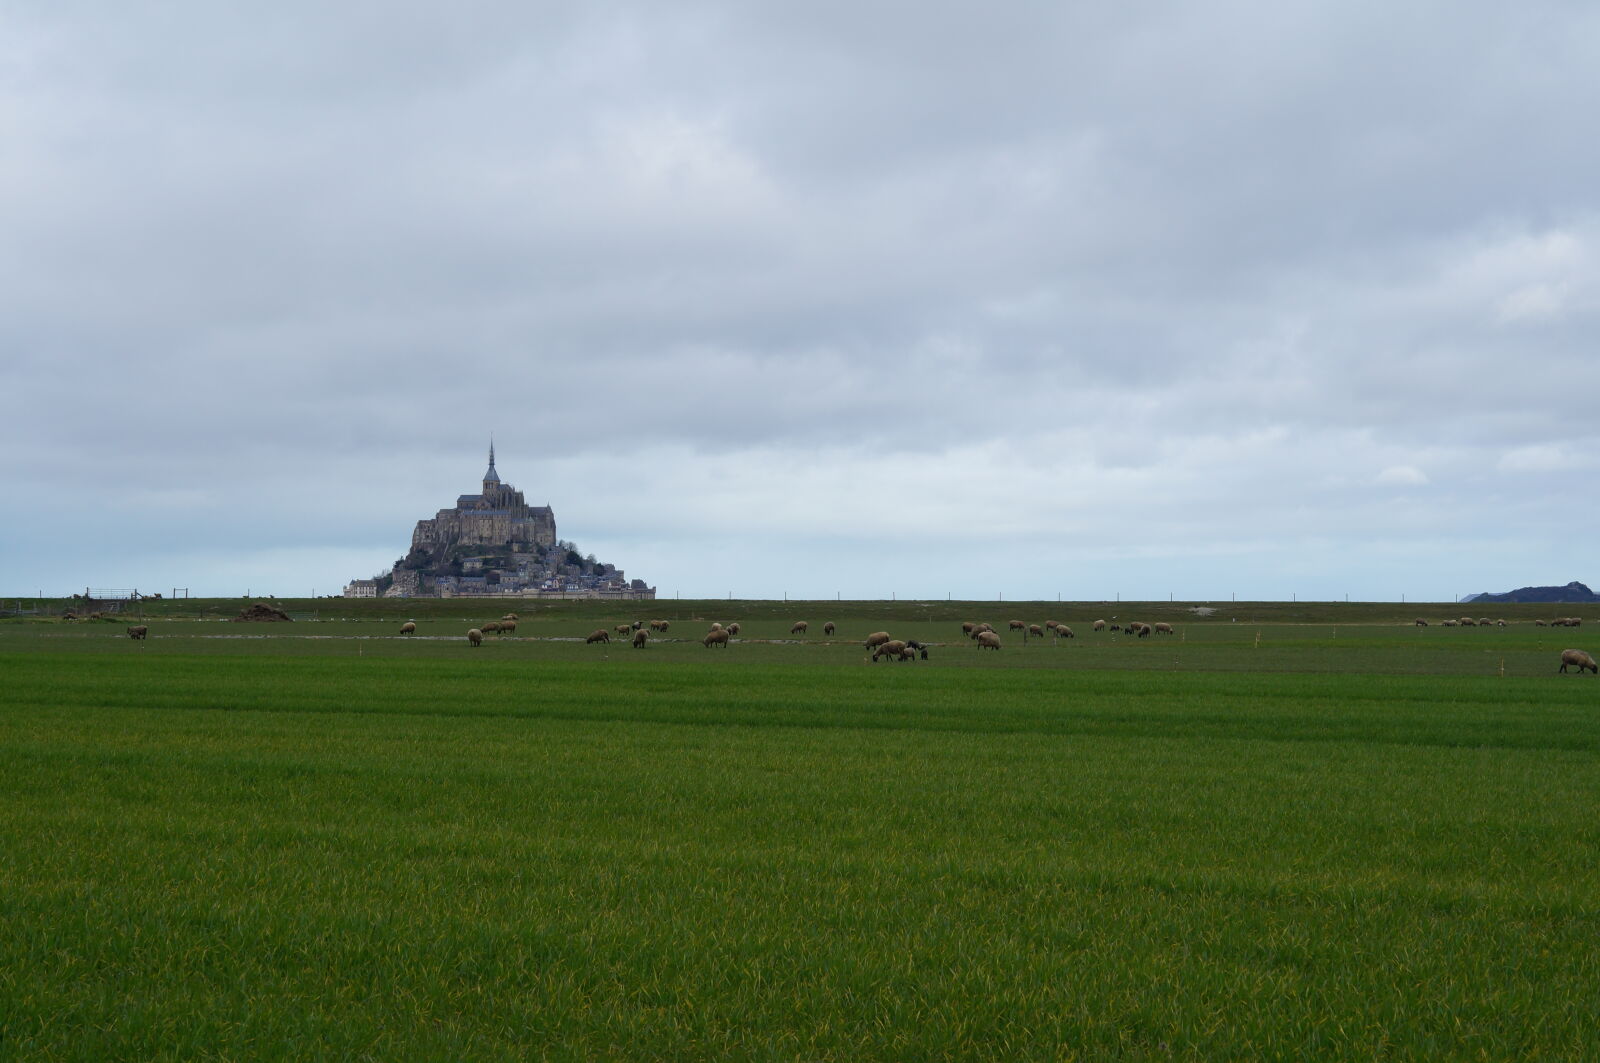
(261,611)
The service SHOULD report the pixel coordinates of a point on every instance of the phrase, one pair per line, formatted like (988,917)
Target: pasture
(1282,831)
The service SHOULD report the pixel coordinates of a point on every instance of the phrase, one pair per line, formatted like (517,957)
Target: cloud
(1019,296)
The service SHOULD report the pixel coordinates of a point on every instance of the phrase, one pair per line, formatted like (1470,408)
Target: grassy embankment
(1341,843)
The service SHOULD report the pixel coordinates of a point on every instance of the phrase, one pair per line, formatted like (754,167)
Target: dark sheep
(139,631)
(598,635)
(828,628)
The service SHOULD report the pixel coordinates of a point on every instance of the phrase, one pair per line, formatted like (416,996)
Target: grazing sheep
(1038,632)
(981,628)
(1098,625)
(639,638)
(1064,632)
(139,631)
(877,638)
(1052,624)
(988,640)
(1116,627)
(1538,623)
(828,628)
(491,626)
(1484,621)
(1579,660)
(1449,623)
(799,628)
(508,627)
(475,637)
(1140,628)
(715,626)
(1499,623)
(638,625)
(1163,628)
(716,637)
(622,629)
(1421,622)
(733,629)
(1467,621)
(408,628)
(599,634)
(655,625)
(893,648)
(1016,625)
(665,624)
(967,629)
(511,616)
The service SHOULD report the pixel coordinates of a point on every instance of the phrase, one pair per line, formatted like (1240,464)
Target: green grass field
(1284,832)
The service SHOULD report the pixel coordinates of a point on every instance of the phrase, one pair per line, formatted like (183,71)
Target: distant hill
(1572,592)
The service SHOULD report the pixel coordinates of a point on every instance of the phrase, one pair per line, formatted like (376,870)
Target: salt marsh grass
(1352,845)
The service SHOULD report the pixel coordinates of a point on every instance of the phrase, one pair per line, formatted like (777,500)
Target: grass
(1362,845)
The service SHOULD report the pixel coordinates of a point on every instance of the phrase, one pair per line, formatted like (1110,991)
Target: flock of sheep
(881,645)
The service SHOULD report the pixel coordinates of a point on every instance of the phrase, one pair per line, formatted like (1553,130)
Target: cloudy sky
(1022,299)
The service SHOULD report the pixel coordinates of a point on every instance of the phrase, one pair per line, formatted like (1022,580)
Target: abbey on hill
(495,544)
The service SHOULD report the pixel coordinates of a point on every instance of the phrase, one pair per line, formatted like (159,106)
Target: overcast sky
(1078,299)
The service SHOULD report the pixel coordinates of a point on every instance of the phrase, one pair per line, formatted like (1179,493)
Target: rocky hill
(1572,592)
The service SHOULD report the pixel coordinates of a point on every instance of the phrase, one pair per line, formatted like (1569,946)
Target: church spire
(491,476)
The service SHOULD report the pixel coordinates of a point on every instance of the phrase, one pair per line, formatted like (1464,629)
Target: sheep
(1016,625)
(664,625)
(1450,623)
(1038,632)
(1484,621)
(139,631)
(511,616)
(715,626)
(981,628)
(988,640)
(638,624)
(1116,627)
(1579,660)
(716,637)
(1163,629)
(655,625)
(508,627)
(733,629)
(639,638)
(491,626)
(599,634)
(475,637)
(1140,628)
(1538,623)
(877,638)
(799,628)
(1467,621)
(1098,625)
(408,628)
(1499,623)
(967,629)
(1421,622)
(1064,632)
(828,628)
(623,629)
(893,648)
(1052,624)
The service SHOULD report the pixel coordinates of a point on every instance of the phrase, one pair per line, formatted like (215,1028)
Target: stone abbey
(494,544)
